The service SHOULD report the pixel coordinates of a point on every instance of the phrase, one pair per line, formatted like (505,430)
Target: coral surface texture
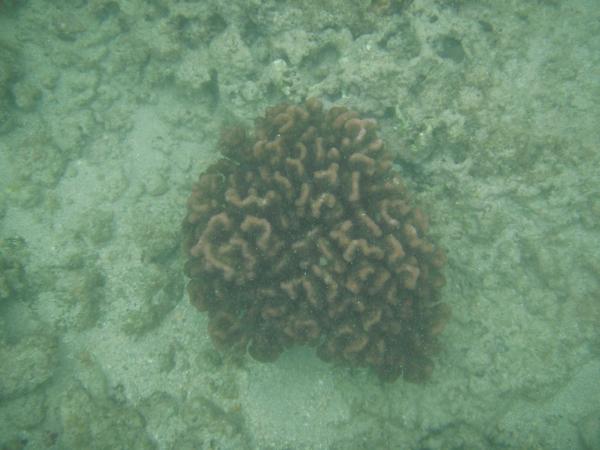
(304,234)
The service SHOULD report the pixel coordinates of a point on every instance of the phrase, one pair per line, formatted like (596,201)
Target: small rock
(26,365)
(589,431)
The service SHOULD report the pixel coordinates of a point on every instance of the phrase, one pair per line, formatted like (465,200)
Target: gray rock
(589,430)
(26,365)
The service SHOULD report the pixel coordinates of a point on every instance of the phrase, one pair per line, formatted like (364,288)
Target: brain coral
(303,234)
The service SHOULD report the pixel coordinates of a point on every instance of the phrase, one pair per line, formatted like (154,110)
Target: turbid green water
(110,109)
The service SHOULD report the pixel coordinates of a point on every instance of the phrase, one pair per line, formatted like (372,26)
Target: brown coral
(305,235)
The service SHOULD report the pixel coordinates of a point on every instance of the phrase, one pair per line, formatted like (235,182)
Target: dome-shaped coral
(304,234)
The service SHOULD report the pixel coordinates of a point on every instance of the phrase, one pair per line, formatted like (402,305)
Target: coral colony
(304,235)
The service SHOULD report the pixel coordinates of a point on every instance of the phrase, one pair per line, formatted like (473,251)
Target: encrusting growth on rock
(304,234)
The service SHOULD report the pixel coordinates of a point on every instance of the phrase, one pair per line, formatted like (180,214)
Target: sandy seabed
(110,109)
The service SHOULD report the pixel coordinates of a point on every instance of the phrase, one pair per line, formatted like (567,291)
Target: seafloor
(110,108)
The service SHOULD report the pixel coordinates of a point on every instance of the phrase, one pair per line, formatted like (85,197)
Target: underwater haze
(109,111)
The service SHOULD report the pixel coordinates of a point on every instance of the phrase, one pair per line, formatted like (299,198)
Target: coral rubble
(304,234)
